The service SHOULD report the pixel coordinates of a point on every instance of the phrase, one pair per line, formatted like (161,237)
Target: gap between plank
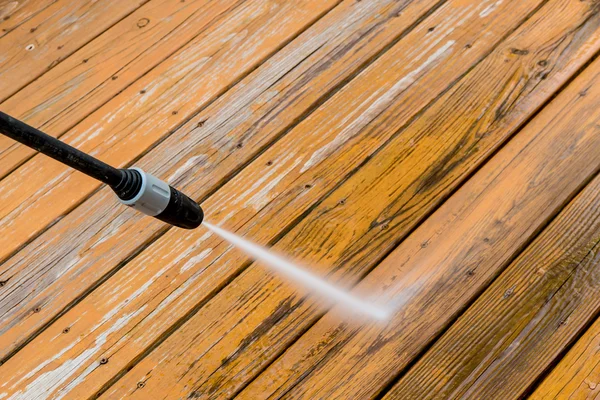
(535,383)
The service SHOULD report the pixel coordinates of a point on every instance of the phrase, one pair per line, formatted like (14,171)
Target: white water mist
(301,276)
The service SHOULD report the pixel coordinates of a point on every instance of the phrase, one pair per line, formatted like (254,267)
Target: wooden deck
(448,149)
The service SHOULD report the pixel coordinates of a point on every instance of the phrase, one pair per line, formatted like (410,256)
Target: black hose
(46,144)
(134,187)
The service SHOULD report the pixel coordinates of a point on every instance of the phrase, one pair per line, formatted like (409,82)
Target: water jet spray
(148,194)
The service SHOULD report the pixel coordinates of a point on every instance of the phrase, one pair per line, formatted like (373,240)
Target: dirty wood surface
(440,155)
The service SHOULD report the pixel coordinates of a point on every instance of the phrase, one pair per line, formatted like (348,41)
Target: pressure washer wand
(133,186)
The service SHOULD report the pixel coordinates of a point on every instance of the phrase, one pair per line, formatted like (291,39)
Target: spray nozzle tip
(155,198)
(182,211)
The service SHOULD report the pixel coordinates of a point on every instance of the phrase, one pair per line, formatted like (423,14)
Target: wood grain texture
(66,94)
(577,375)
(14,12)
(449,258)
(43,190)
(52,35)
(250,321)
(196,158)
(145,313)
(520,325)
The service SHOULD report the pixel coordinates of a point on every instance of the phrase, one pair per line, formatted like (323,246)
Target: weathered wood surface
(450,257)
(82,83)
(265,105)
(520,325)
(14,12)
(577,375)
(254,318)
(42,190)
(335,167)
(136,319)
(52,35)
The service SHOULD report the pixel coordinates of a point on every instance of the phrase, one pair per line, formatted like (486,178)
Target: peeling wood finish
(197,158)
(451,256)
(52,35)
(97,72)
(13,13)
(42,190)
(519,326)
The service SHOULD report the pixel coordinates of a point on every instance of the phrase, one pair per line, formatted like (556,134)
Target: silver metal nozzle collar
(153,197)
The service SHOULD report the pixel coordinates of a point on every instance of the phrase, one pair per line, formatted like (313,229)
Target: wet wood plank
(42,190)
(197,158)
(15,12)
(522,323)
(52,35)
(136,317)
(577,375)
(76,87)
(451,256)
(250,321)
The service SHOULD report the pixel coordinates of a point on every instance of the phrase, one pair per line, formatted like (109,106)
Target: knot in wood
(143,22)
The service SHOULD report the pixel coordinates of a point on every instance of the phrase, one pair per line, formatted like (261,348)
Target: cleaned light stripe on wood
(255,317)
(520,325)
(192,272)
(449,258)
(42,190)
(90,77)
(52,35)
(196,158)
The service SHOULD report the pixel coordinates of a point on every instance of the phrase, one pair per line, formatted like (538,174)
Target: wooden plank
(520,325)
(443,264)
(265,105)
(52,35)
(195,263)
(66,94)
(254,318)
(42,190)
(14,12)
(577,375)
